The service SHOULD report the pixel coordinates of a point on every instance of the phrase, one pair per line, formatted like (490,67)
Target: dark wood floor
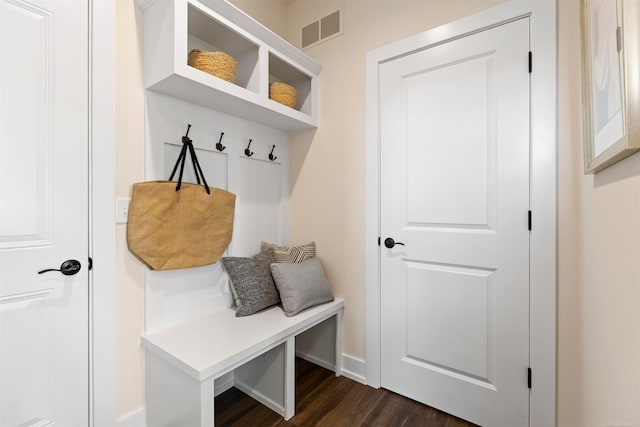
(324,400)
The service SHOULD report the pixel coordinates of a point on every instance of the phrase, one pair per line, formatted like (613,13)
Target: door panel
(460,166)
(44,324)
(455,190)
(26,124)
(455,296)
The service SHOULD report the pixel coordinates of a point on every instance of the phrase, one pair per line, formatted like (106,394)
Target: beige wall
(598,219)
(598,265)
(129,131)
(270,13)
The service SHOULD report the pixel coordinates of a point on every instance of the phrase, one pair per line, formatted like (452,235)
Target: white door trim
(543,189)
(102,293)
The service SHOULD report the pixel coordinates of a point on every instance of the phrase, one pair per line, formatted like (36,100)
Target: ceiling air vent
(323,29)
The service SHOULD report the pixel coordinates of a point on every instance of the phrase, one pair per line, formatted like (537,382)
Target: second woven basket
(283,93)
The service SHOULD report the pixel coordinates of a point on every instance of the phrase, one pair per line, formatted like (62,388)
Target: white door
(44,326)
(455,191)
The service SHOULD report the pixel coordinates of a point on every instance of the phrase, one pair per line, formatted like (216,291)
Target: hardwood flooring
(324,400)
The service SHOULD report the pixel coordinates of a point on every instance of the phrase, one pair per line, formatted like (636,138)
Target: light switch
(122,209)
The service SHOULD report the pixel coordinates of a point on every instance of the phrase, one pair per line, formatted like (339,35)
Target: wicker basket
(218,64)
(283,93)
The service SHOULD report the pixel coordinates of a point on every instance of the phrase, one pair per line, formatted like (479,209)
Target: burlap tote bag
(180,225)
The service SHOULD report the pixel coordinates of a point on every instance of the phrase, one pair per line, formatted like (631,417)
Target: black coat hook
(271,156)
(248,152)
(219,145)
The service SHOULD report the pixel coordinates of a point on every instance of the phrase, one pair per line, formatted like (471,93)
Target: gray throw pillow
(251,282)
(291,254)
(301,285)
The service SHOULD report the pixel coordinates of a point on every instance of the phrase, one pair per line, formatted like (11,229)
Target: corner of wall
(129,167)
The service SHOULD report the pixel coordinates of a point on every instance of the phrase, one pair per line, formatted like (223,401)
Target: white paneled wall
(261,187)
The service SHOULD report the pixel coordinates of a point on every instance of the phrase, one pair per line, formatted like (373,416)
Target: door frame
(102,289)
(542,332)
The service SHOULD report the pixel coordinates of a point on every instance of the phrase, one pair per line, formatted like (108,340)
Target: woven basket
(283,93)
(218,64)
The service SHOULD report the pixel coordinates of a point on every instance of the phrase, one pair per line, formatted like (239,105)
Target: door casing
(102,292)
(543,191)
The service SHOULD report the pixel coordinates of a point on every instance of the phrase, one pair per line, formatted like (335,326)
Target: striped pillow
(293,254)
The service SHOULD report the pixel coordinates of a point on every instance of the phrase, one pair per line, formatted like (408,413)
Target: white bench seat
(182,362)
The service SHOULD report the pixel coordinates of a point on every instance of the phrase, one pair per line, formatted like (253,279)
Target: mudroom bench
(183,362)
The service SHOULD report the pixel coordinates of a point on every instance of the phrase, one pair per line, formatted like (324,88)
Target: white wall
(261,187)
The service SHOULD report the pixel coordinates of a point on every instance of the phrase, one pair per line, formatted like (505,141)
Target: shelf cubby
(206,33)
(172,28)
(283,71)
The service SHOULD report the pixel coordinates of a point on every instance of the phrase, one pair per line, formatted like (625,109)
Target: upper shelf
(172,28)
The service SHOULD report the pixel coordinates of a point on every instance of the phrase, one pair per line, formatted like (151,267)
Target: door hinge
(529,221)
(90,263)
(529,377)
(378,240)
(530,62)
(619,38)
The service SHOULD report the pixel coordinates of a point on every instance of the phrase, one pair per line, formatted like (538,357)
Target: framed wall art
(610,81)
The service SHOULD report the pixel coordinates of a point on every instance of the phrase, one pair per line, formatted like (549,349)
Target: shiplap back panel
(262,198)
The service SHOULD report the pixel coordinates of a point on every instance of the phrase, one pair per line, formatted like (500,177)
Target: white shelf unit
(172,28)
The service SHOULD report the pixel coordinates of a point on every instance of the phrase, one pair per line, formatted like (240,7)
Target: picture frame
(610,81)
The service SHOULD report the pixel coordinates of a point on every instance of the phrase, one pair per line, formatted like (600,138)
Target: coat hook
(185,138)
(219,145)
(248,152)
(271,156)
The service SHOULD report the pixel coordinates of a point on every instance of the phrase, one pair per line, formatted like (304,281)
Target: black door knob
(68,268)
(389,242)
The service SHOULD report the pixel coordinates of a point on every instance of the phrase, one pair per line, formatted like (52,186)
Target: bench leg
(289,378)
(207,405)
(173,398)
(339,317)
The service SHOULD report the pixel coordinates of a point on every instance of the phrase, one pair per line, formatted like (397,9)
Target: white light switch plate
(122,209)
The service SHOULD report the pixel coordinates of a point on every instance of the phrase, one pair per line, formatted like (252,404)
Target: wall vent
(323,29)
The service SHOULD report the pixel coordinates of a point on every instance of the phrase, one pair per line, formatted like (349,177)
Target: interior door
(44,323)
(455,199)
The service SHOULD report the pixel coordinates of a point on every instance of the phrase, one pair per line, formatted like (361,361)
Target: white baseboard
(354,369)
(274,406)
(315,360)
(223,383)
(134,419)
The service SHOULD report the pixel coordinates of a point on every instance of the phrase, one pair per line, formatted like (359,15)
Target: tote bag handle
(187,144)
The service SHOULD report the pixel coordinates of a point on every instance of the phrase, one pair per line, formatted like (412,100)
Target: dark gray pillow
(301,285)
(251,282)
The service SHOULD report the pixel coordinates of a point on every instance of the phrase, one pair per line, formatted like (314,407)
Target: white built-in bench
(183,362)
